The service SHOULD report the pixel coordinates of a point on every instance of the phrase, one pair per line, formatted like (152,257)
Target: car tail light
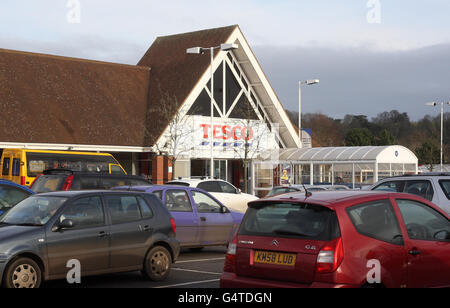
(230,258)
(22,180)
(174,226)
(330,257)
(68,183)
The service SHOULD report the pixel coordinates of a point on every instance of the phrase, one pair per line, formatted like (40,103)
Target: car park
(11,194)
(201,219)
(230,196)
(105,231)
(434,187)
(62,179)
(340,239)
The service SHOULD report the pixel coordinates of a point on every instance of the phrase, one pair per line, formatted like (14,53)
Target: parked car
(225,192)
(201,219)
(106,231)
(279,190)
(61,179)
(340,239)
(434,187)
(11,194)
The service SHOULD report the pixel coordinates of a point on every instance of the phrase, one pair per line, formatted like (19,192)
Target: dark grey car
(105,231)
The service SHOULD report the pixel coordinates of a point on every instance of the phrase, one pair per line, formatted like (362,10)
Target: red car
(338,240)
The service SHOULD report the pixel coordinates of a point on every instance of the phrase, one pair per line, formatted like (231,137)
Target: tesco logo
(227,132)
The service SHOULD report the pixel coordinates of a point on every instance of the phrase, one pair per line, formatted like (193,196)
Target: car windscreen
(10,196)
(48,183)
(33,211)
(290,220)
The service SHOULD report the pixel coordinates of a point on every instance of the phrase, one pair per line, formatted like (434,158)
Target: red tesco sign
(227,132)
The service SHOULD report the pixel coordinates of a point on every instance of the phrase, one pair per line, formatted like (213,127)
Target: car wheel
(157,264)
(23,273)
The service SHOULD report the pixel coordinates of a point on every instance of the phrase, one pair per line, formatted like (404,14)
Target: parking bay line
(195,271)
(187,283)
(199,260)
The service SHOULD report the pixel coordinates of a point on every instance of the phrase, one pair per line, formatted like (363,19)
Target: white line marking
(187,283)
(200,260)
(194,271)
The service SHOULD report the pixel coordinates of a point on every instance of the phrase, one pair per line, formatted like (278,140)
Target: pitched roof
(174,72)
(51,99)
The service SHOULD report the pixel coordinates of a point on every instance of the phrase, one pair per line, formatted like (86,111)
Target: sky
(371,56)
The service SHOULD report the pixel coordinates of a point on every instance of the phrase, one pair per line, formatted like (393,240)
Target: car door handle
(415,252)
(147,229)
(103,234)
(202,218)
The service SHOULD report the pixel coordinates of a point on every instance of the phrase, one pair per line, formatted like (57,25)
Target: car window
(205,204)
(421,221)
(280,190)
(227,188)
(145,208)
(10,196)
(291,220)
(123,208)
(210,186)
(393,186)
(177,200)
(5,170)
(16,167)
(376,220)
(89,182)
(85,212)
(179,184)
(445,184)
(110,182)
(48,183)
(158,194)
(422,189)
(115,169)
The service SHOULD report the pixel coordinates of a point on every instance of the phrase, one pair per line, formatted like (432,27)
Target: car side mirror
(65,224)
(238,191)
(442,235)
(224,210)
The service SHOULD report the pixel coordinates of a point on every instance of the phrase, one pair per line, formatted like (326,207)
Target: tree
(359,137)
(384,138)
(176,139)
(428,154)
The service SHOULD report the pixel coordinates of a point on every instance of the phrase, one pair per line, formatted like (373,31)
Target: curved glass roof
(339,154)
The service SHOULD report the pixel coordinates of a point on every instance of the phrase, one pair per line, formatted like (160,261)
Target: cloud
(357,80)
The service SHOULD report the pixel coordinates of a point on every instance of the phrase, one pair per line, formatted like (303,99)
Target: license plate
(275,258)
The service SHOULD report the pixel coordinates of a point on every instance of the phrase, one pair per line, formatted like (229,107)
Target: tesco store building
(154,117)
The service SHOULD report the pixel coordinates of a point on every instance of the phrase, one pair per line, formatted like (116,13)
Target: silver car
(434,187)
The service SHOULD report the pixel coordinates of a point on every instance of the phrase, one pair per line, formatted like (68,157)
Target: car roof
(76,193)
(333,199)
(9,183)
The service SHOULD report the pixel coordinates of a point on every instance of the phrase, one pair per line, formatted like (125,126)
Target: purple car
(201,220)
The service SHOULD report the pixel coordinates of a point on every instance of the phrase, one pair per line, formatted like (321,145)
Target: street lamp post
(201,50)
(308,83)
(434,104)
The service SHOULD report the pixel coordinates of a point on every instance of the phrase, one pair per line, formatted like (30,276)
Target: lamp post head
(195,50)
(312,82)
(433,104)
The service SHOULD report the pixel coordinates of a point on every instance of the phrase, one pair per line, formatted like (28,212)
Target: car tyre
(23,273)
(158,263)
